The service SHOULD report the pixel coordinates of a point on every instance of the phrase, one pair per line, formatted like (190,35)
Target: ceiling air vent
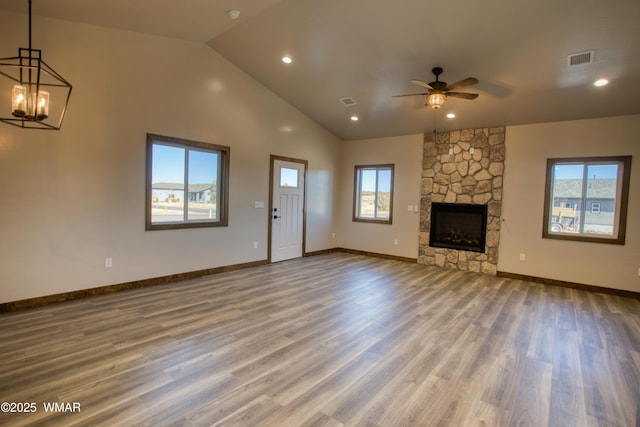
(581,58)
(348,102)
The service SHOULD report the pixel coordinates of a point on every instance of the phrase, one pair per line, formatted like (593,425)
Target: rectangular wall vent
(348,102)
(581,58)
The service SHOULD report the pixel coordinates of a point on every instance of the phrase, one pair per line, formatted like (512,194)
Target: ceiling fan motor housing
(437,85)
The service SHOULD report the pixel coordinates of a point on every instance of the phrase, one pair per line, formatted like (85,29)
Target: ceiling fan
(439,91)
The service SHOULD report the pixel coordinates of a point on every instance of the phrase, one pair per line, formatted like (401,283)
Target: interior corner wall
(401,237)
(597,264)
(72,198)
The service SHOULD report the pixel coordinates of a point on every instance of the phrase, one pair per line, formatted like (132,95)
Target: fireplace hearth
(458,226)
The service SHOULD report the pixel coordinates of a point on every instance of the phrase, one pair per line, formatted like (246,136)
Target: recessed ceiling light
(287,59)
(601,82)
(451,116)
(354,118)
(233,14)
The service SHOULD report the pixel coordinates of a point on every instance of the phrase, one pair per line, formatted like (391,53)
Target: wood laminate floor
(329,340)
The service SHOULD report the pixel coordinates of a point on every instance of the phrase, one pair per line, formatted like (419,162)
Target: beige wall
(405,152)
(74,197)
(528,147)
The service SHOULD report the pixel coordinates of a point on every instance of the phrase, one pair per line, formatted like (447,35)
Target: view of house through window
(186,183)
(373,193)
(586,198)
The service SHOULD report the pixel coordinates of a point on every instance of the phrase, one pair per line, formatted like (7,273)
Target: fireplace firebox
(458,226)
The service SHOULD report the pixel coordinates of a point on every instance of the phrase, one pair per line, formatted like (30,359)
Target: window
(586,199)
(288,177)
(373,194)
(187,183)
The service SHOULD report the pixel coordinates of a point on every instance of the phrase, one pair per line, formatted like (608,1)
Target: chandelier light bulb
(19,101)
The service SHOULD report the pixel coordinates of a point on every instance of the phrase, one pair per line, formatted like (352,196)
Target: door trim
(272,159)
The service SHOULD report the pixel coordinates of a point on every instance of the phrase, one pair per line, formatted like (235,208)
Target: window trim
(356,193)
(620,215)
(222,198)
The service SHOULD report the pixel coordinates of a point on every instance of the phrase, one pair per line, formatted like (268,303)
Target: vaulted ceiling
(370,50)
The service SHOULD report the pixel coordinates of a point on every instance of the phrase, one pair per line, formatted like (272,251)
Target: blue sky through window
(575,171)
(168,165)
(288,177)
(369,180)
(202,167)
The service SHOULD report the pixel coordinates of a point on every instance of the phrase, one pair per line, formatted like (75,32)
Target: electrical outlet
(395,242)
(333,235)
(255,245)
(108,262)
(522,257)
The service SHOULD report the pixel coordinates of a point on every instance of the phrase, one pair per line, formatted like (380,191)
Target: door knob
(276,217)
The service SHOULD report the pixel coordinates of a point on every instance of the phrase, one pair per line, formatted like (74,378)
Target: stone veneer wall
(463,166)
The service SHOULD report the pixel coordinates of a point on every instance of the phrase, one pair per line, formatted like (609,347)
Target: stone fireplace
(462,169)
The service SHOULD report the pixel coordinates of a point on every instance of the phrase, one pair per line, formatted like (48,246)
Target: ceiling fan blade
(462,83)
(410,94)
(463,95)
(421,83)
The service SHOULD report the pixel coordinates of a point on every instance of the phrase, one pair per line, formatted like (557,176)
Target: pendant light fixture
(39,95)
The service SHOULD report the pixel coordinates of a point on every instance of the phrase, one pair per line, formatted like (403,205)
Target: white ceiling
(369,50)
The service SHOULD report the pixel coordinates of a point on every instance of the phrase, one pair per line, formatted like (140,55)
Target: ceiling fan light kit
(34,85)
(438,92)
(436,100)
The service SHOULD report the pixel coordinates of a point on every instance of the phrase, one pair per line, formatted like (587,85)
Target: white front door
(287,210)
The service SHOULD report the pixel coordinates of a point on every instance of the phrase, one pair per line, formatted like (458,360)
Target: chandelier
(39,95)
